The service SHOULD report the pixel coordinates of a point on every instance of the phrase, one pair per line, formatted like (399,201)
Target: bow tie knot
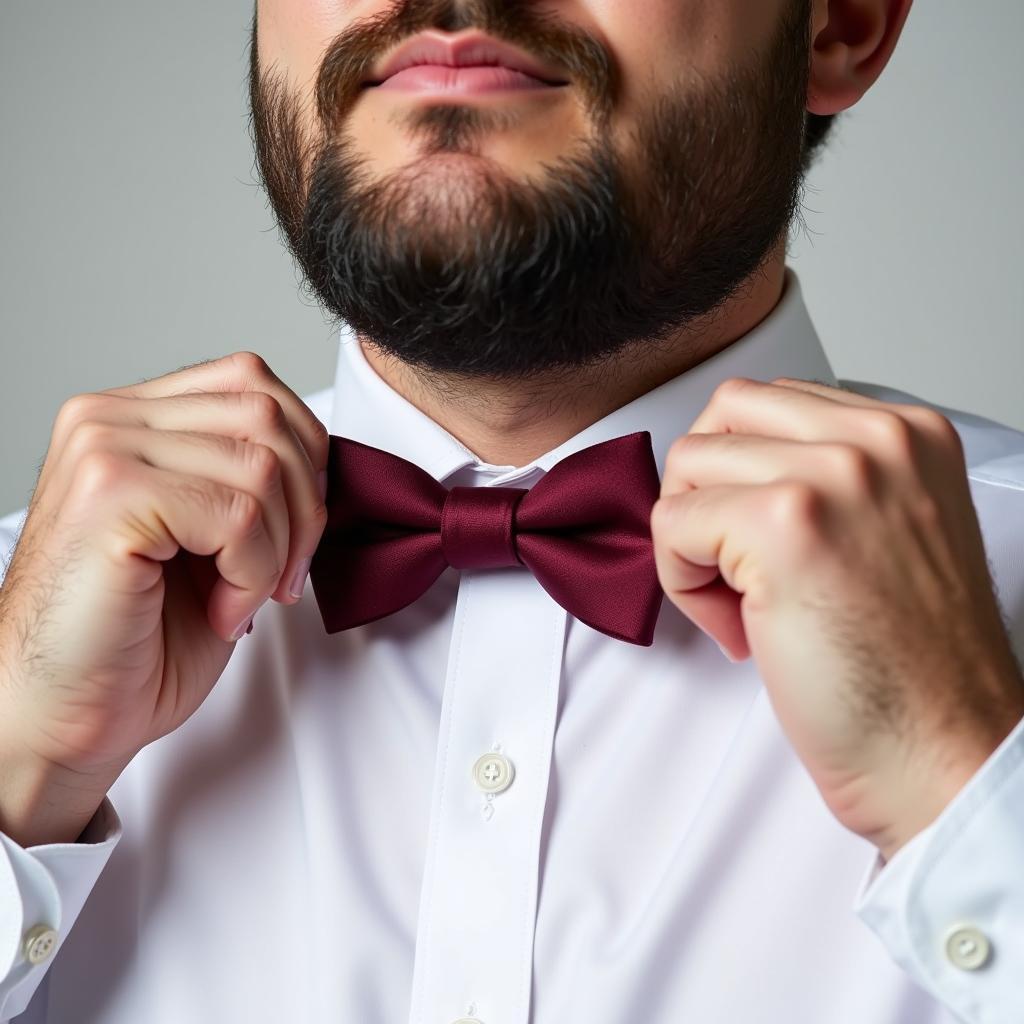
(478,527)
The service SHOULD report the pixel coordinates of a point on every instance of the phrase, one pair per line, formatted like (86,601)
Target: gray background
(135,241)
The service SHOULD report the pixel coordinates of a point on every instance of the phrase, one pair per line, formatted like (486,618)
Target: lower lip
(479,78)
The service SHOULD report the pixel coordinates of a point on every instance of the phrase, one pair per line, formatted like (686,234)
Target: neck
(512,424)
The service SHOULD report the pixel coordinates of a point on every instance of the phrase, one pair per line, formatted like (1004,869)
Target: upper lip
(460,51)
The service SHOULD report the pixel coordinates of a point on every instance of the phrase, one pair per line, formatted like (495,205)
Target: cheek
(295,33)
(661,44)
(655,42)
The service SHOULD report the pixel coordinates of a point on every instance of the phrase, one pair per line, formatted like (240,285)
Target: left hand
(834,538)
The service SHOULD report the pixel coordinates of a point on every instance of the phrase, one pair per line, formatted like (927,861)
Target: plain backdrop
(135,241)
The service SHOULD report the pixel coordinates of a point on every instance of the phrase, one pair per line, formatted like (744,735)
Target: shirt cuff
(949,905)
(46,886)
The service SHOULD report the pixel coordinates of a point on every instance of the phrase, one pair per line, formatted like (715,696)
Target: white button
(493,774)
(38,943)
(967,948)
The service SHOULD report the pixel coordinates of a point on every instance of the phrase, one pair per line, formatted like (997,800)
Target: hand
(834,538)
(165,514)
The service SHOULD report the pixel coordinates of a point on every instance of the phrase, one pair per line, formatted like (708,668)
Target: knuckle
(251,365)
(892,431)
(677,451)
(682,447)
(794,514)
(853,465)
(794,502)
(941,427)
(244,513)
(264,466)
(321,441)
(73,411)
(661,515)
(729,387)
(88,436)
(265,410)
(97,471)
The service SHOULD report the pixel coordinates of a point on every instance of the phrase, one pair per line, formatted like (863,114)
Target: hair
(816,133)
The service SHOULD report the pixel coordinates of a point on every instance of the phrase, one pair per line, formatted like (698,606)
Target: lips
(461,62)
(477,78)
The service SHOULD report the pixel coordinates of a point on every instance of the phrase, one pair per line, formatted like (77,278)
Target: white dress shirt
(480,808)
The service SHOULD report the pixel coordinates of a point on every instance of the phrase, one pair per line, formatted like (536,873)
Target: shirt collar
(784,344)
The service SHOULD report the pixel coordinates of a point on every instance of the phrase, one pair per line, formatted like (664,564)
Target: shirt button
(967,948)
(38,943)
(493,773)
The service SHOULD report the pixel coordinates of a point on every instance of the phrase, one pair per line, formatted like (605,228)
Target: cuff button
(967,948)
(38,943)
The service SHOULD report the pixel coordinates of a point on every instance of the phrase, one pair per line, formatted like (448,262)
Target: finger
(153,513)
(743,406)
(240,372)
(751,534)
(835,392)
(926,420)
(846,396)
(702,557)
(702,460)
(247,417)
(702,532)
(240,465)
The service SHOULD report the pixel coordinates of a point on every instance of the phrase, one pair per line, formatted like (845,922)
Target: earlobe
(852,41)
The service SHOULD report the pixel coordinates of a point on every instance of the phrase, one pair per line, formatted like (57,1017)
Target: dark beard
(464,270)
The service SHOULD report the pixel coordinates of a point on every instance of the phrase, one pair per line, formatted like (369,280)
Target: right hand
(165,514)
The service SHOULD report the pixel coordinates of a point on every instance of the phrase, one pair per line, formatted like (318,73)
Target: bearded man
(620,663)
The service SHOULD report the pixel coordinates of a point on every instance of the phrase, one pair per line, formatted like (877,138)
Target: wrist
(923,806)
(923,795)
(41,802)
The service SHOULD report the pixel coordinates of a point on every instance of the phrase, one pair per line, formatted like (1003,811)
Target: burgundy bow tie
(583,530)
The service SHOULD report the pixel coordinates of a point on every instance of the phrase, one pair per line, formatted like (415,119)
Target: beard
(458,268)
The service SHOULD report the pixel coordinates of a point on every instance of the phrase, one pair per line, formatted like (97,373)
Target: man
(645,672)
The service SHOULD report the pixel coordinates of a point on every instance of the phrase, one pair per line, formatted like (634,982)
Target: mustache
(349,58)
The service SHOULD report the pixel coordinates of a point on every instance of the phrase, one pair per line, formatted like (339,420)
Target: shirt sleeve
(42,891)
(949,905)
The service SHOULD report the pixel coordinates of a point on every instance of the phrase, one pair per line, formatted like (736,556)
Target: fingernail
(299,579)
(243,627)
(321,482)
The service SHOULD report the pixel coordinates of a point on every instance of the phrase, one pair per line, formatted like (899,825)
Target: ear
(851,42)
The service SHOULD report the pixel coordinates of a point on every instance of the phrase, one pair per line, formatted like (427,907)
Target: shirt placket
(474,945)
